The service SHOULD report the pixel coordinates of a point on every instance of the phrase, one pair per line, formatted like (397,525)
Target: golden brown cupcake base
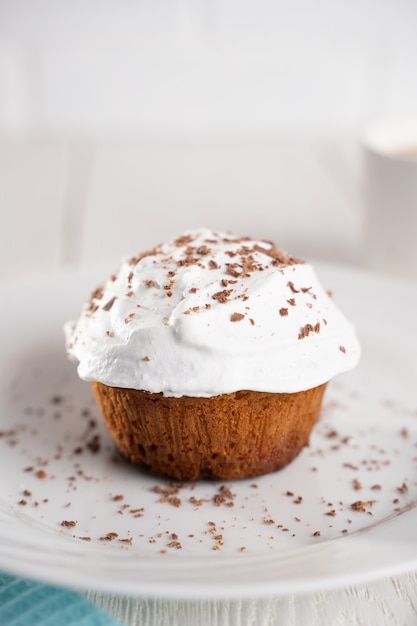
(236,435)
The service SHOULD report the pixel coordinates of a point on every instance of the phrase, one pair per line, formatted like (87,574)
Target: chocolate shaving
(97,293)
(237,317)
(136,259)
(189,259)
(222,296)
(362,505)
(203,250)
(183,240)
(234,270)
(249,264)
(308,329)
(225,496)
(290,284)
(279,256)
(305,331)
(109,537)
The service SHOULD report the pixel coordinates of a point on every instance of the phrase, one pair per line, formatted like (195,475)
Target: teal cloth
(29,603)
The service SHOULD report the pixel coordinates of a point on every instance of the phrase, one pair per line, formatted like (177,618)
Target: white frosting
(209,314)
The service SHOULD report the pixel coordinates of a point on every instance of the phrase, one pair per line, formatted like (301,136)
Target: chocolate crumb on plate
(68,523)
(362,505)
(109,537)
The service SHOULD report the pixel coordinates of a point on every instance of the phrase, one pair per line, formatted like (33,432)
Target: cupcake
(209,355)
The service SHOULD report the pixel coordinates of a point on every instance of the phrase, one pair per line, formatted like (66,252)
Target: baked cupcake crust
(229,436)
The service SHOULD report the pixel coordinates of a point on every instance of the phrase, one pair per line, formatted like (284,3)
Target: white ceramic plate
(73,512)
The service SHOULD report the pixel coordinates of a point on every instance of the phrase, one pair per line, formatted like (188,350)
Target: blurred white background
(124,122)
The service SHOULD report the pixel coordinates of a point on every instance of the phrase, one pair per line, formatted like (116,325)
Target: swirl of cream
(210,313)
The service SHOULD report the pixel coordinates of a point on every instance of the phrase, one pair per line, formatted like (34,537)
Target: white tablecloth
(388,602)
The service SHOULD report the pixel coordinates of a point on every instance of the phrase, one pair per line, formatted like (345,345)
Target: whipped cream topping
(210,313)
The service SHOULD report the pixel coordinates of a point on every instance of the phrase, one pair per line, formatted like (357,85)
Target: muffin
(209,355)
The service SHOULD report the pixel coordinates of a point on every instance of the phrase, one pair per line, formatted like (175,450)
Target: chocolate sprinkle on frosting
(237,317)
